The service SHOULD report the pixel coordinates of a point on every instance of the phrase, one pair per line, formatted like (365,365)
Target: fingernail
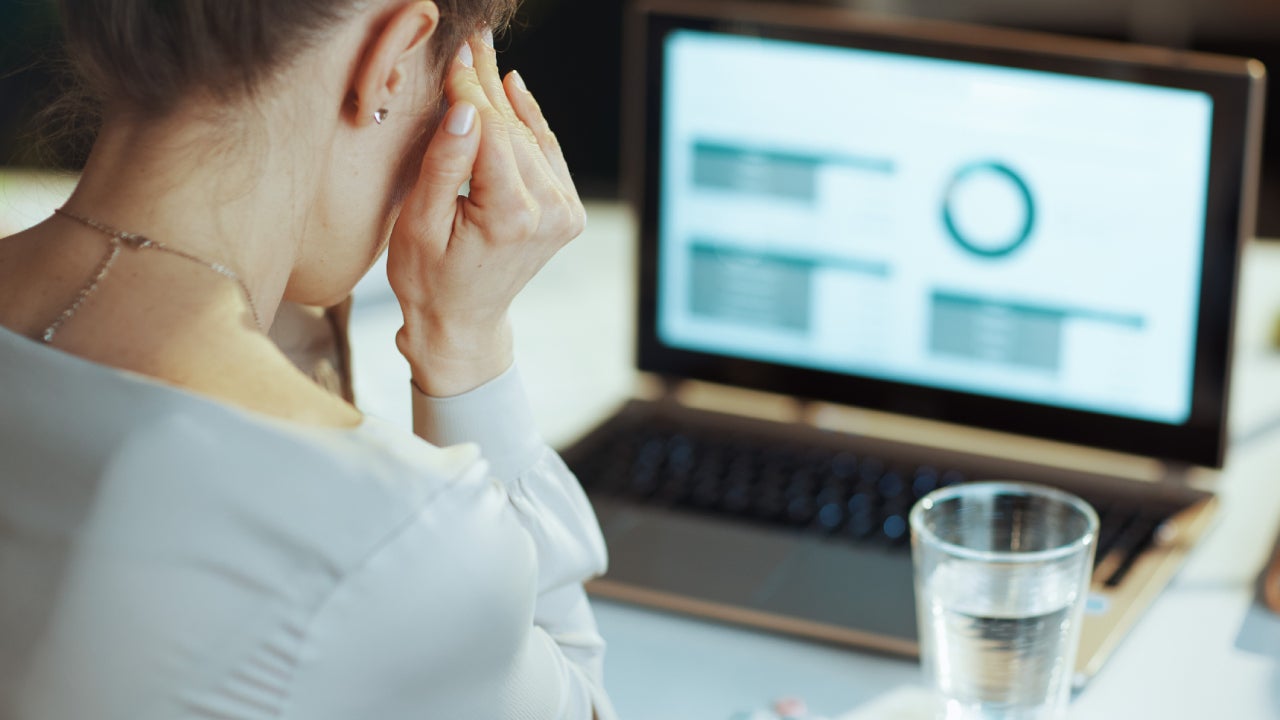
(519,81)
(488,37)
(465,57)
(461,119)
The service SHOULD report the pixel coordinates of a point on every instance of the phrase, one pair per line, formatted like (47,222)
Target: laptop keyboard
(839,494)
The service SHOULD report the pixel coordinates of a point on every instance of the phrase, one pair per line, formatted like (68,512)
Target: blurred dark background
(569,51)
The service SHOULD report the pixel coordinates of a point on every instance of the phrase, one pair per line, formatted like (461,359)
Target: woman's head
(149,55)
(263,79)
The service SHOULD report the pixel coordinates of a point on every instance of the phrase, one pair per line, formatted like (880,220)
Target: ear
(392,57)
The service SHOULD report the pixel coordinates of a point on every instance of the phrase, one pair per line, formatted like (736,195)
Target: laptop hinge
(668,389)
(683,392)
(1176,473)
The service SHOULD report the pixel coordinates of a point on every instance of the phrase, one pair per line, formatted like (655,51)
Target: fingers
(447,165)
(422,232)
(486,66)
(530,114)
(520,183)
(529,156)
(456,262)
(495,167)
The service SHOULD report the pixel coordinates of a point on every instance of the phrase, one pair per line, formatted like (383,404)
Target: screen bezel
(1234,84)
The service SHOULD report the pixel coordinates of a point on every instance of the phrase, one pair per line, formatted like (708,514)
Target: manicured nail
(518,80)
(461,119)
(465,57)
(488,37)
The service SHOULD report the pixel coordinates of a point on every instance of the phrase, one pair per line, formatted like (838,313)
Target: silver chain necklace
(133,241)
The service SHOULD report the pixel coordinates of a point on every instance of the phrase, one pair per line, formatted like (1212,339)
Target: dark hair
(147,55)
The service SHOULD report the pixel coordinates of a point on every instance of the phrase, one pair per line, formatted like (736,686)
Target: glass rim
(1009,487)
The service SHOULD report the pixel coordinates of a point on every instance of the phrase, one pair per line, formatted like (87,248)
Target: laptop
(881,256)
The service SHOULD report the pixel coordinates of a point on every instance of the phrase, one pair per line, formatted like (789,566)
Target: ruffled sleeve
(553,509)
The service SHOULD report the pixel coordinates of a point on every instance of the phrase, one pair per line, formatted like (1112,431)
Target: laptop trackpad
(692,556)
(864,587)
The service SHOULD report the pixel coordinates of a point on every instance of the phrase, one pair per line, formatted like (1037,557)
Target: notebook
(881,256)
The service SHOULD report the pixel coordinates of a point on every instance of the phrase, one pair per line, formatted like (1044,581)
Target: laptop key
(890,485)
(861,503)
(831,516)
(862,525)
(924,482)
(706,495)
(800,511)
(768,504)
(895,528)
(832,494)
(736,500)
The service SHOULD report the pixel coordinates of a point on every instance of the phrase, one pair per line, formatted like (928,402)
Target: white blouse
(166,556)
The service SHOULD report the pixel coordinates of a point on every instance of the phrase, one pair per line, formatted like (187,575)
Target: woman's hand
(456,263)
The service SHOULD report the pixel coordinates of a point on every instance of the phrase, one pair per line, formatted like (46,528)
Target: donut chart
(988,209)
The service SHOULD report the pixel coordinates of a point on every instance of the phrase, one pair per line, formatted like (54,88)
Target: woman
(190,527)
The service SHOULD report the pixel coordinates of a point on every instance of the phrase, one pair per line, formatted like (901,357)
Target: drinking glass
(1001,572)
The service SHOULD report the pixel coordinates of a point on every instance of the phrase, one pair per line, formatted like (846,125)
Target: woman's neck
(163,316)
(193,186)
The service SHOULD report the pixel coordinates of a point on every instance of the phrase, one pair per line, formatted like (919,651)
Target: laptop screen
(1012,231)
(997,231)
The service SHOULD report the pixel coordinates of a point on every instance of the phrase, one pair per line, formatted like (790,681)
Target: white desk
(1205,650)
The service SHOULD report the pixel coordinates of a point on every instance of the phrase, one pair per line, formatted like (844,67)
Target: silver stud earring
(380,115)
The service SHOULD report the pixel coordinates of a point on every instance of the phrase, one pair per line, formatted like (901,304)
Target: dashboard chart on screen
(1004,232)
